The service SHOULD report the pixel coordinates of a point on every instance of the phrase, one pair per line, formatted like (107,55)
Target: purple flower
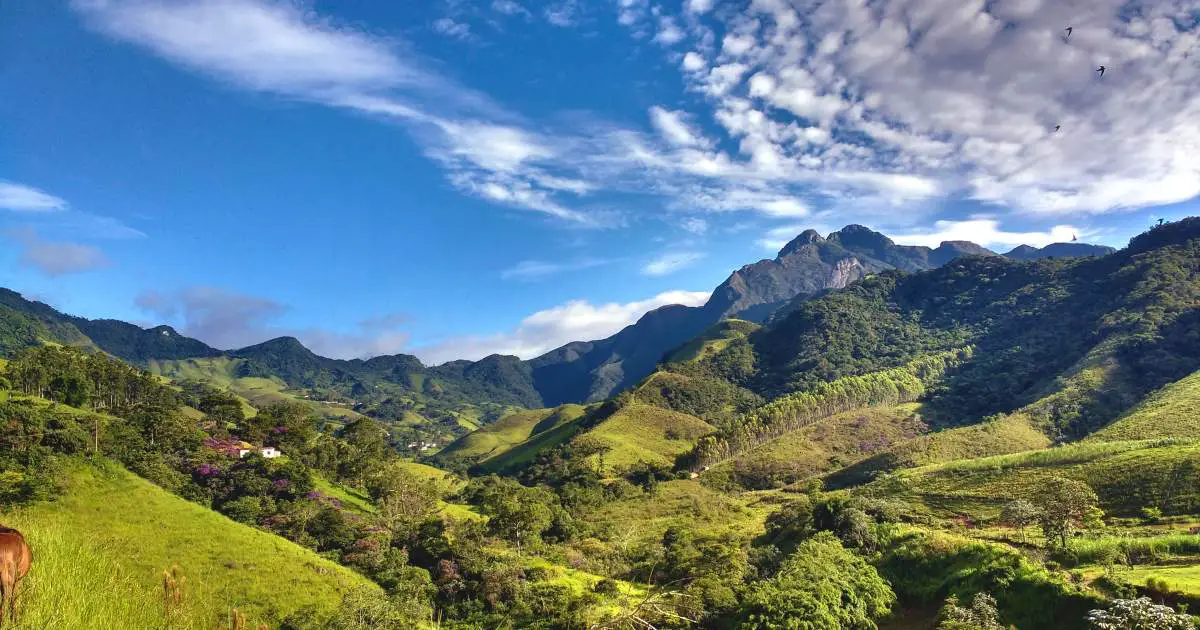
(207,470)
(280,429)
(282,484)
(313,494)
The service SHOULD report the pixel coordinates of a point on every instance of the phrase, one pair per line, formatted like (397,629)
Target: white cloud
(673,127)
(699,6)
(57,258)
(693,62)
(563,14)
(22,198)
(669,32)
(548,329)
(509,7)
(924,98)
(671,262)
(451,28)
(987,232)
(777,237)
(695,225)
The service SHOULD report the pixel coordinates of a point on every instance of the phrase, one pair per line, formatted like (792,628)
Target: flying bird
(1057,127)
(1068,30)
(1074,237)
(1101,70)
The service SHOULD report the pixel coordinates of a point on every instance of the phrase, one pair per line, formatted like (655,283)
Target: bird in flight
(1057,127)
(1101,70)
(1074,237)
(1069,30)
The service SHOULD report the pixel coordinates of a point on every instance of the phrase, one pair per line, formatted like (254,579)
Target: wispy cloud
(22,198)
(548,329)
(671,262)
(57,258)
(451,28)
(531,270)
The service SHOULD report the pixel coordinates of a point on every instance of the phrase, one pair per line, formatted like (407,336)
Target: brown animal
(15,558)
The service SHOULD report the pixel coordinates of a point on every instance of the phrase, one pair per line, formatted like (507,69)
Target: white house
(269,452)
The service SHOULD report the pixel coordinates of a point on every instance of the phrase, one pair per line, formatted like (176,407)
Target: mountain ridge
(579,371)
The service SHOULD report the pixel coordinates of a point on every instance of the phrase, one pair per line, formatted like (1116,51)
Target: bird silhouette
(1057,127)
(1074,237)
(1101,70)
(1069,30)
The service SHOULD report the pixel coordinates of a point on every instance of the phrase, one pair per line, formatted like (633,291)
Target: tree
(981,615)
(1138,614)
(516,513)
(1019,514)
(1064,506)
(405,499)
(854,528)
(822,586)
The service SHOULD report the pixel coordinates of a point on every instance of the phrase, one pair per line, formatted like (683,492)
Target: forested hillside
(988,443)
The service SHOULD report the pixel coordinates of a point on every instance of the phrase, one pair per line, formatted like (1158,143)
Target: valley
(854,434)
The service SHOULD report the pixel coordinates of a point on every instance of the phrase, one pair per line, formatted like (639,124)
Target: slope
(1173,411)
(100,551)
(507,432)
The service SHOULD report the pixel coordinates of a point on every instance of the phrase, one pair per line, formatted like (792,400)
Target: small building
(269,452)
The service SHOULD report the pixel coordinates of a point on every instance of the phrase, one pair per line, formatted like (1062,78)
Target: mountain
(809,264)
(1059,250)
(984,355)
(579,371)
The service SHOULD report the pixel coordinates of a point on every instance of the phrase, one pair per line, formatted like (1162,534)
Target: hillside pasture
(100,551)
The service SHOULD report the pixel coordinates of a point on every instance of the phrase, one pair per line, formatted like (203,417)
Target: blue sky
(459,178)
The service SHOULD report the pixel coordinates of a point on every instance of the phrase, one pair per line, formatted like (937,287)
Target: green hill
(1008,434)
(640,432)
(1173,411)
(827,445)
(100,551)
(1126,476)
(494,439)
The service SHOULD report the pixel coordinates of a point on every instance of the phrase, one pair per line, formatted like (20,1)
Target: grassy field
(827,445)
(686,503)
(713,340)
(507,432)
(640,432)
(1173,411)
(1009,434)
(1125,475)
(101,549)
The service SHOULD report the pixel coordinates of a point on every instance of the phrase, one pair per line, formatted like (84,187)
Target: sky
(456,178)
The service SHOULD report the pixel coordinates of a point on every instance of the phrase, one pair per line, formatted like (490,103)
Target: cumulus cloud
(926,98)
(548,329)
(671,262)
(57,258)
(230,319)
(22,198)
(987,232)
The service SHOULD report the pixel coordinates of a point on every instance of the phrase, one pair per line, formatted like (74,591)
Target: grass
(1173,411)
(712,341)
(640,432)
(1125,475)
(349,497)
(1133,550)
(507,432)
(524,452)
(1013,433)
(1184,579)
(100,551)
(685,503)
(829,444)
